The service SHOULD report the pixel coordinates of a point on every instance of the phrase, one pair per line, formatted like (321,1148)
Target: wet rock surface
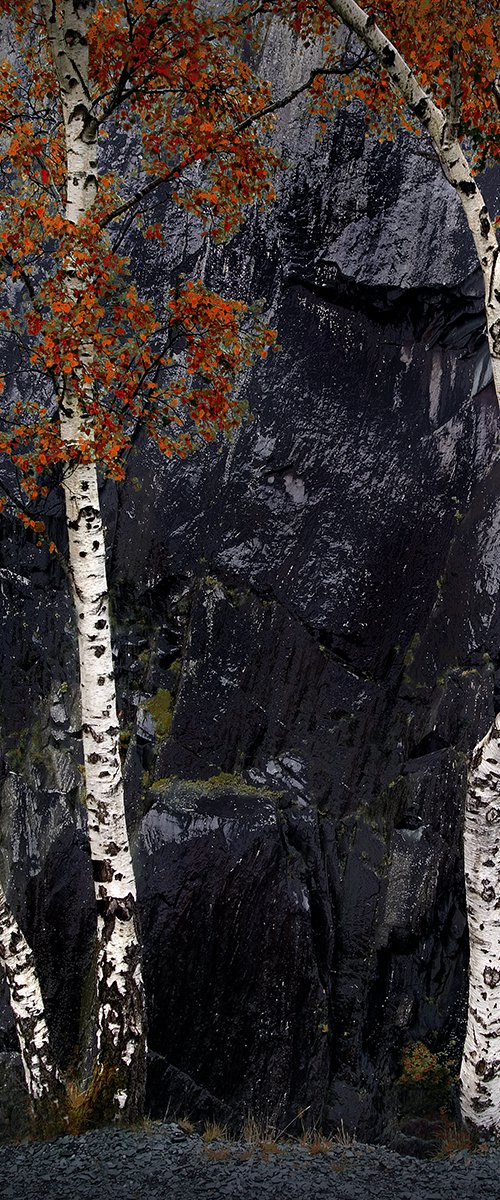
(306,628)
(165,1161)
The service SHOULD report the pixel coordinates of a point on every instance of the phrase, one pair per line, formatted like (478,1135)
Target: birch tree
(95,360)
(434,68)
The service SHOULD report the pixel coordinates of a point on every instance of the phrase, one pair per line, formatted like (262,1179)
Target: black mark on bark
(484,222)
(467,186)
(421,110)
(102,872)
(388,56)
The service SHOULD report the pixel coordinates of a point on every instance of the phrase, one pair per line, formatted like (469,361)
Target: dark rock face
(306,626)
(227,897)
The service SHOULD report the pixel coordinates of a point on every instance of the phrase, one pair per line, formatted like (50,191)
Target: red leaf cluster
(176,84)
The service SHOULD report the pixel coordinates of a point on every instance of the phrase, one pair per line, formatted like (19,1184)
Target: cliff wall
(306,628)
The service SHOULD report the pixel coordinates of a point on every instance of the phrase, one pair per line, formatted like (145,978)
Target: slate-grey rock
(128,1165)
(319,599)
(216,857)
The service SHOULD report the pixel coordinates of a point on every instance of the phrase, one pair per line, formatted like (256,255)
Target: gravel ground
(164,1163)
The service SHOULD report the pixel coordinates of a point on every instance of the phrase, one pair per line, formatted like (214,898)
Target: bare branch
(275,105)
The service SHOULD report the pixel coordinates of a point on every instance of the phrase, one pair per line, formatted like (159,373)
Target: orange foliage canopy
(453,47)
(170,93)
(176,103)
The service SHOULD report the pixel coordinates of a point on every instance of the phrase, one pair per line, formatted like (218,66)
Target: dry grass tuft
(256,1133)
(342,1137)
(453,1138)
(185,1124)
(214,1133)
(219,1154)
(89,1106)
(316,1142)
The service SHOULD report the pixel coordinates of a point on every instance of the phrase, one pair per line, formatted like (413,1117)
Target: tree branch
(275,105)
(258,115)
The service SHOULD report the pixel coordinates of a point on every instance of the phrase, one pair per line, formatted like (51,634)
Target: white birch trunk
(43,1081)
(120,1036)
(450,155)
(480,1071)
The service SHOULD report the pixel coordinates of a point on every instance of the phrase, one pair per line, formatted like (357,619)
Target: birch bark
(450,155)
(120,1036)
(40,1071)
(480,1074)
(480,1071)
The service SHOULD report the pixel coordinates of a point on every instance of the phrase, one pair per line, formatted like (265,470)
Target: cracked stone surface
(313,608)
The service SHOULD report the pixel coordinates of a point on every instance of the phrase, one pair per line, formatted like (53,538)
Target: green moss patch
(161,708)
(223,782)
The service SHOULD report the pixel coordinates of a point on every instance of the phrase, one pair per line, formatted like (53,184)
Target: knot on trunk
(73,37)
(486,1071)
(89,124)
(491,976)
